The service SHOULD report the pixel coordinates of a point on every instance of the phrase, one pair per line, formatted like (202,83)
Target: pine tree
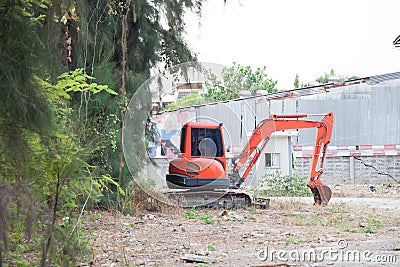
(124,64)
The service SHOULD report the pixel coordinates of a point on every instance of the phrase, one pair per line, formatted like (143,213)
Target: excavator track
(216,198)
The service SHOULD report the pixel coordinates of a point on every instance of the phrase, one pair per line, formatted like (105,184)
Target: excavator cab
(202,162)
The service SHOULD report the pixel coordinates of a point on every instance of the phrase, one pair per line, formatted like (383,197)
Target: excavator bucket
(322,194)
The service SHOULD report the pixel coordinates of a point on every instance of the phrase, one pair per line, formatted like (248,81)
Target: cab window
(206,142)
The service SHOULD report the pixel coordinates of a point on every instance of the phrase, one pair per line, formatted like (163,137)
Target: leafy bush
(54,181)
(277,184)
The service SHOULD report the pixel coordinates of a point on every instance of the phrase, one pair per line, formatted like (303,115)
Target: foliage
(238,78)
(297,83)
(77,81)
(22,110)
(210,247)
(278,185)
(234,79)
(192,215)
(58,182)
(325,77)
(155,34)
(154,39)
(192,99)
(60,139)
(372,226)
(207,219)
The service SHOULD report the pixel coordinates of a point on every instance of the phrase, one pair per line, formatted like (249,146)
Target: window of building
(272,160)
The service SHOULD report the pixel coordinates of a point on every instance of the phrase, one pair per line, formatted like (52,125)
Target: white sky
(308,37)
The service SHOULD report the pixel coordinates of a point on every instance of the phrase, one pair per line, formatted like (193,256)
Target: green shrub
(277,184)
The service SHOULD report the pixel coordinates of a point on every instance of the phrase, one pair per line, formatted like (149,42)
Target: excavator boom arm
(262,133)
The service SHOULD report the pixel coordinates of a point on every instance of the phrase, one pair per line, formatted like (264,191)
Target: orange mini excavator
(201,168)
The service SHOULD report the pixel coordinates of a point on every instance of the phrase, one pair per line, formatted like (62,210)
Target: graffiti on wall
(166,129)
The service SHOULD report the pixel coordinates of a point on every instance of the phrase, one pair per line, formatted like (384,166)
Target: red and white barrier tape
(349,151)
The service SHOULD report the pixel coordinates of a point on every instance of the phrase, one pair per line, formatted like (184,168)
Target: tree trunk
(122,89)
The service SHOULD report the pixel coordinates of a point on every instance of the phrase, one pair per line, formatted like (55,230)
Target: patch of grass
(316,220)
(95,216)
(251,217)
(338,208)
(289,240)
(211,247)
(368,230)
(191,214)
(207,219)
(289,205)
(334,221)
(375,222)
(349,228)
(250,208)
(372,227)
(301,219)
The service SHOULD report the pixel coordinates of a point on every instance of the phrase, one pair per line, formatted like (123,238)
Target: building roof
(385,77)
(314,89)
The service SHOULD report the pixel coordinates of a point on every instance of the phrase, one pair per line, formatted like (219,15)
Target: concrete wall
(353,170)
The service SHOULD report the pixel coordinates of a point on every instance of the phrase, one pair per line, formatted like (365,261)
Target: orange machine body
(202,161)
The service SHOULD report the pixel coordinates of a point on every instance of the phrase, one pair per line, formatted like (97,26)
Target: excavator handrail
(288,116)
(262,133)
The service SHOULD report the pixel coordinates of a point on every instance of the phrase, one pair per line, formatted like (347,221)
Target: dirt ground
(292,232)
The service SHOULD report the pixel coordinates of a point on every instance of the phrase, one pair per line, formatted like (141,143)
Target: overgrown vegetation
(276,184)
(238,78)
(192,99)
(324,78)
(235,79)
(55,182)
(67,70)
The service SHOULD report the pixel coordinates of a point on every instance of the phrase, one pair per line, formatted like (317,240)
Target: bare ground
(364,231)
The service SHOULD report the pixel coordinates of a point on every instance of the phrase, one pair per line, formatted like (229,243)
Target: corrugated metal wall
(238,118)
(358,121)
